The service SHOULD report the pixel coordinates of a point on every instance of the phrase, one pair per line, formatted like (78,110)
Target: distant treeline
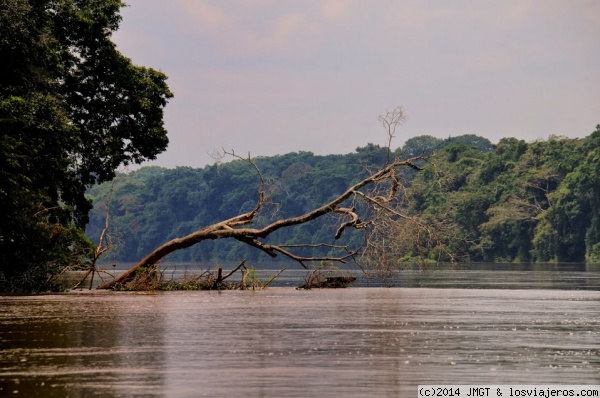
(513,201)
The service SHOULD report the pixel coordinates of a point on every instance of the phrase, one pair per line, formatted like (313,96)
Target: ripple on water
(283,342)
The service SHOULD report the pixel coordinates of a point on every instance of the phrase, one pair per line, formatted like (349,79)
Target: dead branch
(271,279)
(104,242)
(354,220)
(233,271)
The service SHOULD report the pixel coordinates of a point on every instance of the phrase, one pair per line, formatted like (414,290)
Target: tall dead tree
(390,121)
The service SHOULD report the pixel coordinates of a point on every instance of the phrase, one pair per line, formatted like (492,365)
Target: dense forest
(72,110)
(512,201)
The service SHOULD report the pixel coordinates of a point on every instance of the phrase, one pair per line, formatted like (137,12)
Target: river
(468,326)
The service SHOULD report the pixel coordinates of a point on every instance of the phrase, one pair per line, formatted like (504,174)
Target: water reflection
(574,276)
(76,346)
(288,343)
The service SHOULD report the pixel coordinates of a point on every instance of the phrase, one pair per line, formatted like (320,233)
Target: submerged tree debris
(242,277)
(327,277)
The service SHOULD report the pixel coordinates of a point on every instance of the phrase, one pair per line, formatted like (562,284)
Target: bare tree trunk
(104,242)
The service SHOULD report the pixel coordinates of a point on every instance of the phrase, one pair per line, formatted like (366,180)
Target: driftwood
(153,279)
(329,282)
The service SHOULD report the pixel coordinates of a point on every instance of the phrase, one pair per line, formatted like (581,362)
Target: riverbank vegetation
(512,201)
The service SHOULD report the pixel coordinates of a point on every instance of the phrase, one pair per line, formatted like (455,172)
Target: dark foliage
(72,109)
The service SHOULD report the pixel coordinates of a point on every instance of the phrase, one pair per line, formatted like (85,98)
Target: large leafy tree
(72,109)
(570,230)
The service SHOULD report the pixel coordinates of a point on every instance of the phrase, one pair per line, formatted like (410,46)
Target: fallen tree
(371,204)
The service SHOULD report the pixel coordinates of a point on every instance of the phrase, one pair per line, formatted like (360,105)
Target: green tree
(472,141)
(72,109)
(570,229)
(415,146)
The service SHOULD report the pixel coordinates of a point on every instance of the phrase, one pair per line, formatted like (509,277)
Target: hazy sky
(270,77)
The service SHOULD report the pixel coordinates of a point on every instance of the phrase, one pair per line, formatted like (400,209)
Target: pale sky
(276,76)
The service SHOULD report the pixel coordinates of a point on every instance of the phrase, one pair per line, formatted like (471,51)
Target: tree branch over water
(372,205)
(382,184)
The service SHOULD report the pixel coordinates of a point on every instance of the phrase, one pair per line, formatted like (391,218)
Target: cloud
(274,76)
(333,10)
(250,28)
(207,16)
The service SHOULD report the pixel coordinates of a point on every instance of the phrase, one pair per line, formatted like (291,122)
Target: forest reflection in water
(284,342)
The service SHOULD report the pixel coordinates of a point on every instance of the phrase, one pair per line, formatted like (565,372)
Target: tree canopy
(520,201)
(513,201)
(72,109)
(153,205)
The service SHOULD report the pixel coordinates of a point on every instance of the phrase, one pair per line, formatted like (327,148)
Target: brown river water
(282,342)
